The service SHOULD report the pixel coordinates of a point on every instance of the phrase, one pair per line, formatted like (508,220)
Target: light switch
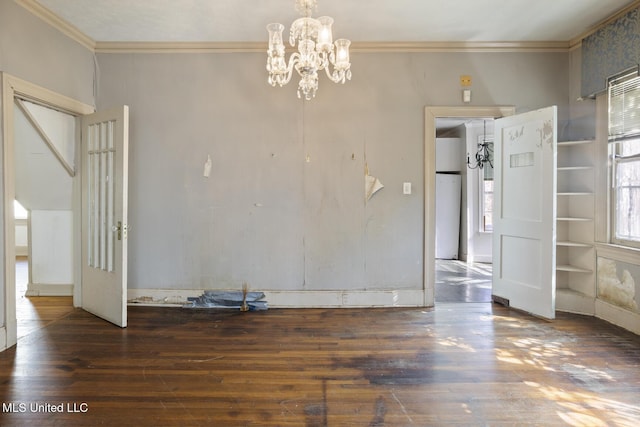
(466,95)
(406,188)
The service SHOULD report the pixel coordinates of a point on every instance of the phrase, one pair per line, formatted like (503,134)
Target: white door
(524,233)
(104,214)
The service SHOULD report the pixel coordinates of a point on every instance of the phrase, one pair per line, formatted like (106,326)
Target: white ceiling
(357,20)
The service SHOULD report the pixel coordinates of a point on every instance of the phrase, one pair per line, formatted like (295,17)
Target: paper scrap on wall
(207,167)
(371,186)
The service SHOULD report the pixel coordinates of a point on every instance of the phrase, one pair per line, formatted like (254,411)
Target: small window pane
(19,212)
(627,203)
(629,148)
(487,206)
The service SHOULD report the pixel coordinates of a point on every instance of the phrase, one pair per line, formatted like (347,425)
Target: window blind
(624,107)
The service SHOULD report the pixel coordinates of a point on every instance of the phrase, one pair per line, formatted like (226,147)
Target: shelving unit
(575,254)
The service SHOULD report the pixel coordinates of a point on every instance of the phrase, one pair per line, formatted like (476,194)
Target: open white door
(104,214)
(524,224)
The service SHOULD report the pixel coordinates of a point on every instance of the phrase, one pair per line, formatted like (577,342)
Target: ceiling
(358,20)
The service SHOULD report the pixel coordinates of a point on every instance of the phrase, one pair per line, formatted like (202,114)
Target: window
(626,191)
(624,151)
(18,211)
(485,178)
(486,199)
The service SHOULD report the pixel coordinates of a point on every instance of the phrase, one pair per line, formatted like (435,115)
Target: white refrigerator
(448,194)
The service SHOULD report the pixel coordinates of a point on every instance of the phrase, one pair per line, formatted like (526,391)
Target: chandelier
(316,52)
(484,154)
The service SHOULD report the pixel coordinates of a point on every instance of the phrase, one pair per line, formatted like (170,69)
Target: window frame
(614,160)
(622,91)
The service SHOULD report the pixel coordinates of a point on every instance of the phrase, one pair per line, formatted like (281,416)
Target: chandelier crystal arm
(337,75)
(288,73)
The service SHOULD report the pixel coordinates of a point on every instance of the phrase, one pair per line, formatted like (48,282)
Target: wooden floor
(459,364)
(458,281)
(34,313)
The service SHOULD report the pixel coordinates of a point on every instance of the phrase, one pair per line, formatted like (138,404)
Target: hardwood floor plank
(459,364)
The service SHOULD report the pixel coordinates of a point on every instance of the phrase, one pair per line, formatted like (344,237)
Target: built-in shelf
(572,301)
(568,143)
(574,168)
(573,244)
(572,268)
(575,277)
(575,193)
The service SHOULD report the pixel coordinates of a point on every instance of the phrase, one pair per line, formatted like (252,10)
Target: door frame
(15,87)
(431,114)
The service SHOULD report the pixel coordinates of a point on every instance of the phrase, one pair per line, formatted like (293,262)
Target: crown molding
(356,47)
(359,47)
(382,47)
(180,47)
(58,23)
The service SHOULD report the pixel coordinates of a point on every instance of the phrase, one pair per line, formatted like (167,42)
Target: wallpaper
(610,51)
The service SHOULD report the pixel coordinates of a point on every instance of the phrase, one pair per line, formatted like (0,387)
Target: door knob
(122,230)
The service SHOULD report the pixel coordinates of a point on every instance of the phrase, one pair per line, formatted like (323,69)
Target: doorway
(464,177)
(44,141)
(471,282)
(14,88)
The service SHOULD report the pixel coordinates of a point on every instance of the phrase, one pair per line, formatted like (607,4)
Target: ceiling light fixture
(485,152)
(316,52)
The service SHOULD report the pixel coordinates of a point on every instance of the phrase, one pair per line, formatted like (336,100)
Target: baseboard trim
(49,290)
(292,299)
(618,316)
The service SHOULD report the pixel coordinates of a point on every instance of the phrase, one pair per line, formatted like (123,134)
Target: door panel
(104,214)
(524,234)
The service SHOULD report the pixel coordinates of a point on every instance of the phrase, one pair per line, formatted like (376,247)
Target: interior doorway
(44,141)
(15,88)
(471,281)
(464,178)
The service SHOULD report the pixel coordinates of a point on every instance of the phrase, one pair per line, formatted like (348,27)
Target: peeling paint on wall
(616,283)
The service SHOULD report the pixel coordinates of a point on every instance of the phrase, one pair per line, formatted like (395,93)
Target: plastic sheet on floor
(228,299)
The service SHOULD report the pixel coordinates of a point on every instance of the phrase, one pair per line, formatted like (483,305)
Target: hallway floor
(457,281)
(33,313)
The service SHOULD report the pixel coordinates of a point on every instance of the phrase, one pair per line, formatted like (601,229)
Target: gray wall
(266,215)
(582,110)
(33,51)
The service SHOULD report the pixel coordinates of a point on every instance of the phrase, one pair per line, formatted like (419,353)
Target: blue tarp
(227,299)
